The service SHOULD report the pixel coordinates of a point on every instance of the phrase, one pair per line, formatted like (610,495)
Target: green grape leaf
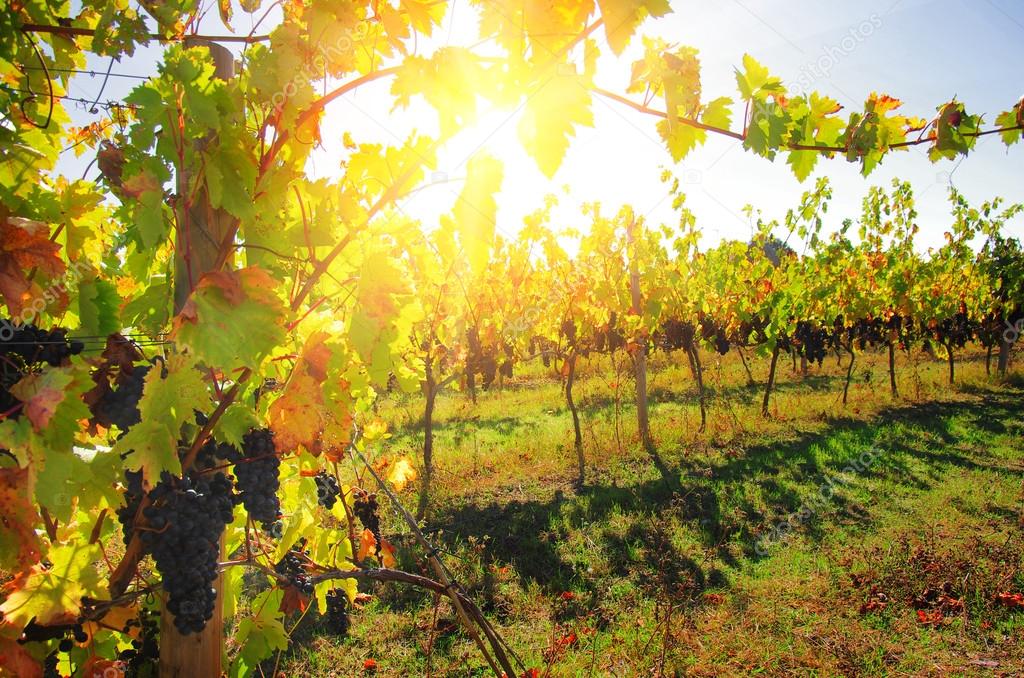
(1010,118)
(232,319)
(261,634)
(167,402)
(236,421)
(98,307)
(803,163)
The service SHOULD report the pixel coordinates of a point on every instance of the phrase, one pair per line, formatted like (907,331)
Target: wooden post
(201,229)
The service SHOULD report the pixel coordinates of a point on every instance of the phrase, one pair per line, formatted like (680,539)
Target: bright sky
(921,51)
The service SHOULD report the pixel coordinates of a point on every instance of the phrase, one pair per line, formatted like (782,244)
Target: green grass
(693,578)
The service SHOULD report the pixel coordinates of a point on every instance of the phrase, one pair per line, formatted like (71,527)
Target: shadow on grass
(913,446)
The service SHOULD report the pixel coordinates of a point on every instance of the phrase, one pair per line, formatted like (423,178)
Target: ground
(902,555)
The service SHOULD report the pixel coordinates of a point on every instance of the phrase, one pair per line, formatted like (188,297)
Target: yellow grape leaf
(550,117)
(441,80)
(297,416)
(376,430)
(115,618)
(424,14)
(301,417)
(54,594)
(622,17)
(401,474)
(476,210)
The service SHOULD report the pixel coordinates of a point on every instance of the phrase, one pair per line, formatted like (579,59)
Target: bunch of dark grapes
(143,657)
(508,363)
(23,348)
(120,407)
(256,476)
(365,508)
(810,340)
(214,455)
(327,489)
(34,345)
(292,567)
(338,622)
(677,334)
(185,520)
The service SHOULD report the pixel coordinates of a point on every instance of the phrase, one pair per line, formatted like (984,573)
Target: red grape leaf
(24,246)
(41,393)
(16,661)
(19,545)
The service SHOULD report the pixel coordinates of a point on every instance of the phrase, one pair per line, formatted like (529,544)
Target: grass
(626,577)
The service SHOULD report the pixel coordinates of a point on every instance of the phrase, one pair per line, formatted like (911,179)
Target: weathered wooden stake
(201,229)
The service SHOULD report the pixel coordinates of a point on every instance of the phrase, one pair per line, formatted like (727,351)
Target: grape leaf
(621,18)
(167,402)
(1009,119)
(261,634)
(19,544)
(717,113)
(550,117)
(475,212)
(17,660)
(25,245)
(681,139)
(41,393)
(232,319)
(236,421)
(53,592)
(98,304)
(755,80)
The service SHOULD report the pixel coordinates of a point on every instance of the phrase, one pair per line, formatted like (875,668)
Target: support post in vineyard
(849,371)
(949,359)
(1004,355)
(200,231)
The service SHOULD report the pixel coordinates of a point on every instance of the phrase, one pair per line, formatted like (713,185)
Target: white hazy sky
(921,51)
